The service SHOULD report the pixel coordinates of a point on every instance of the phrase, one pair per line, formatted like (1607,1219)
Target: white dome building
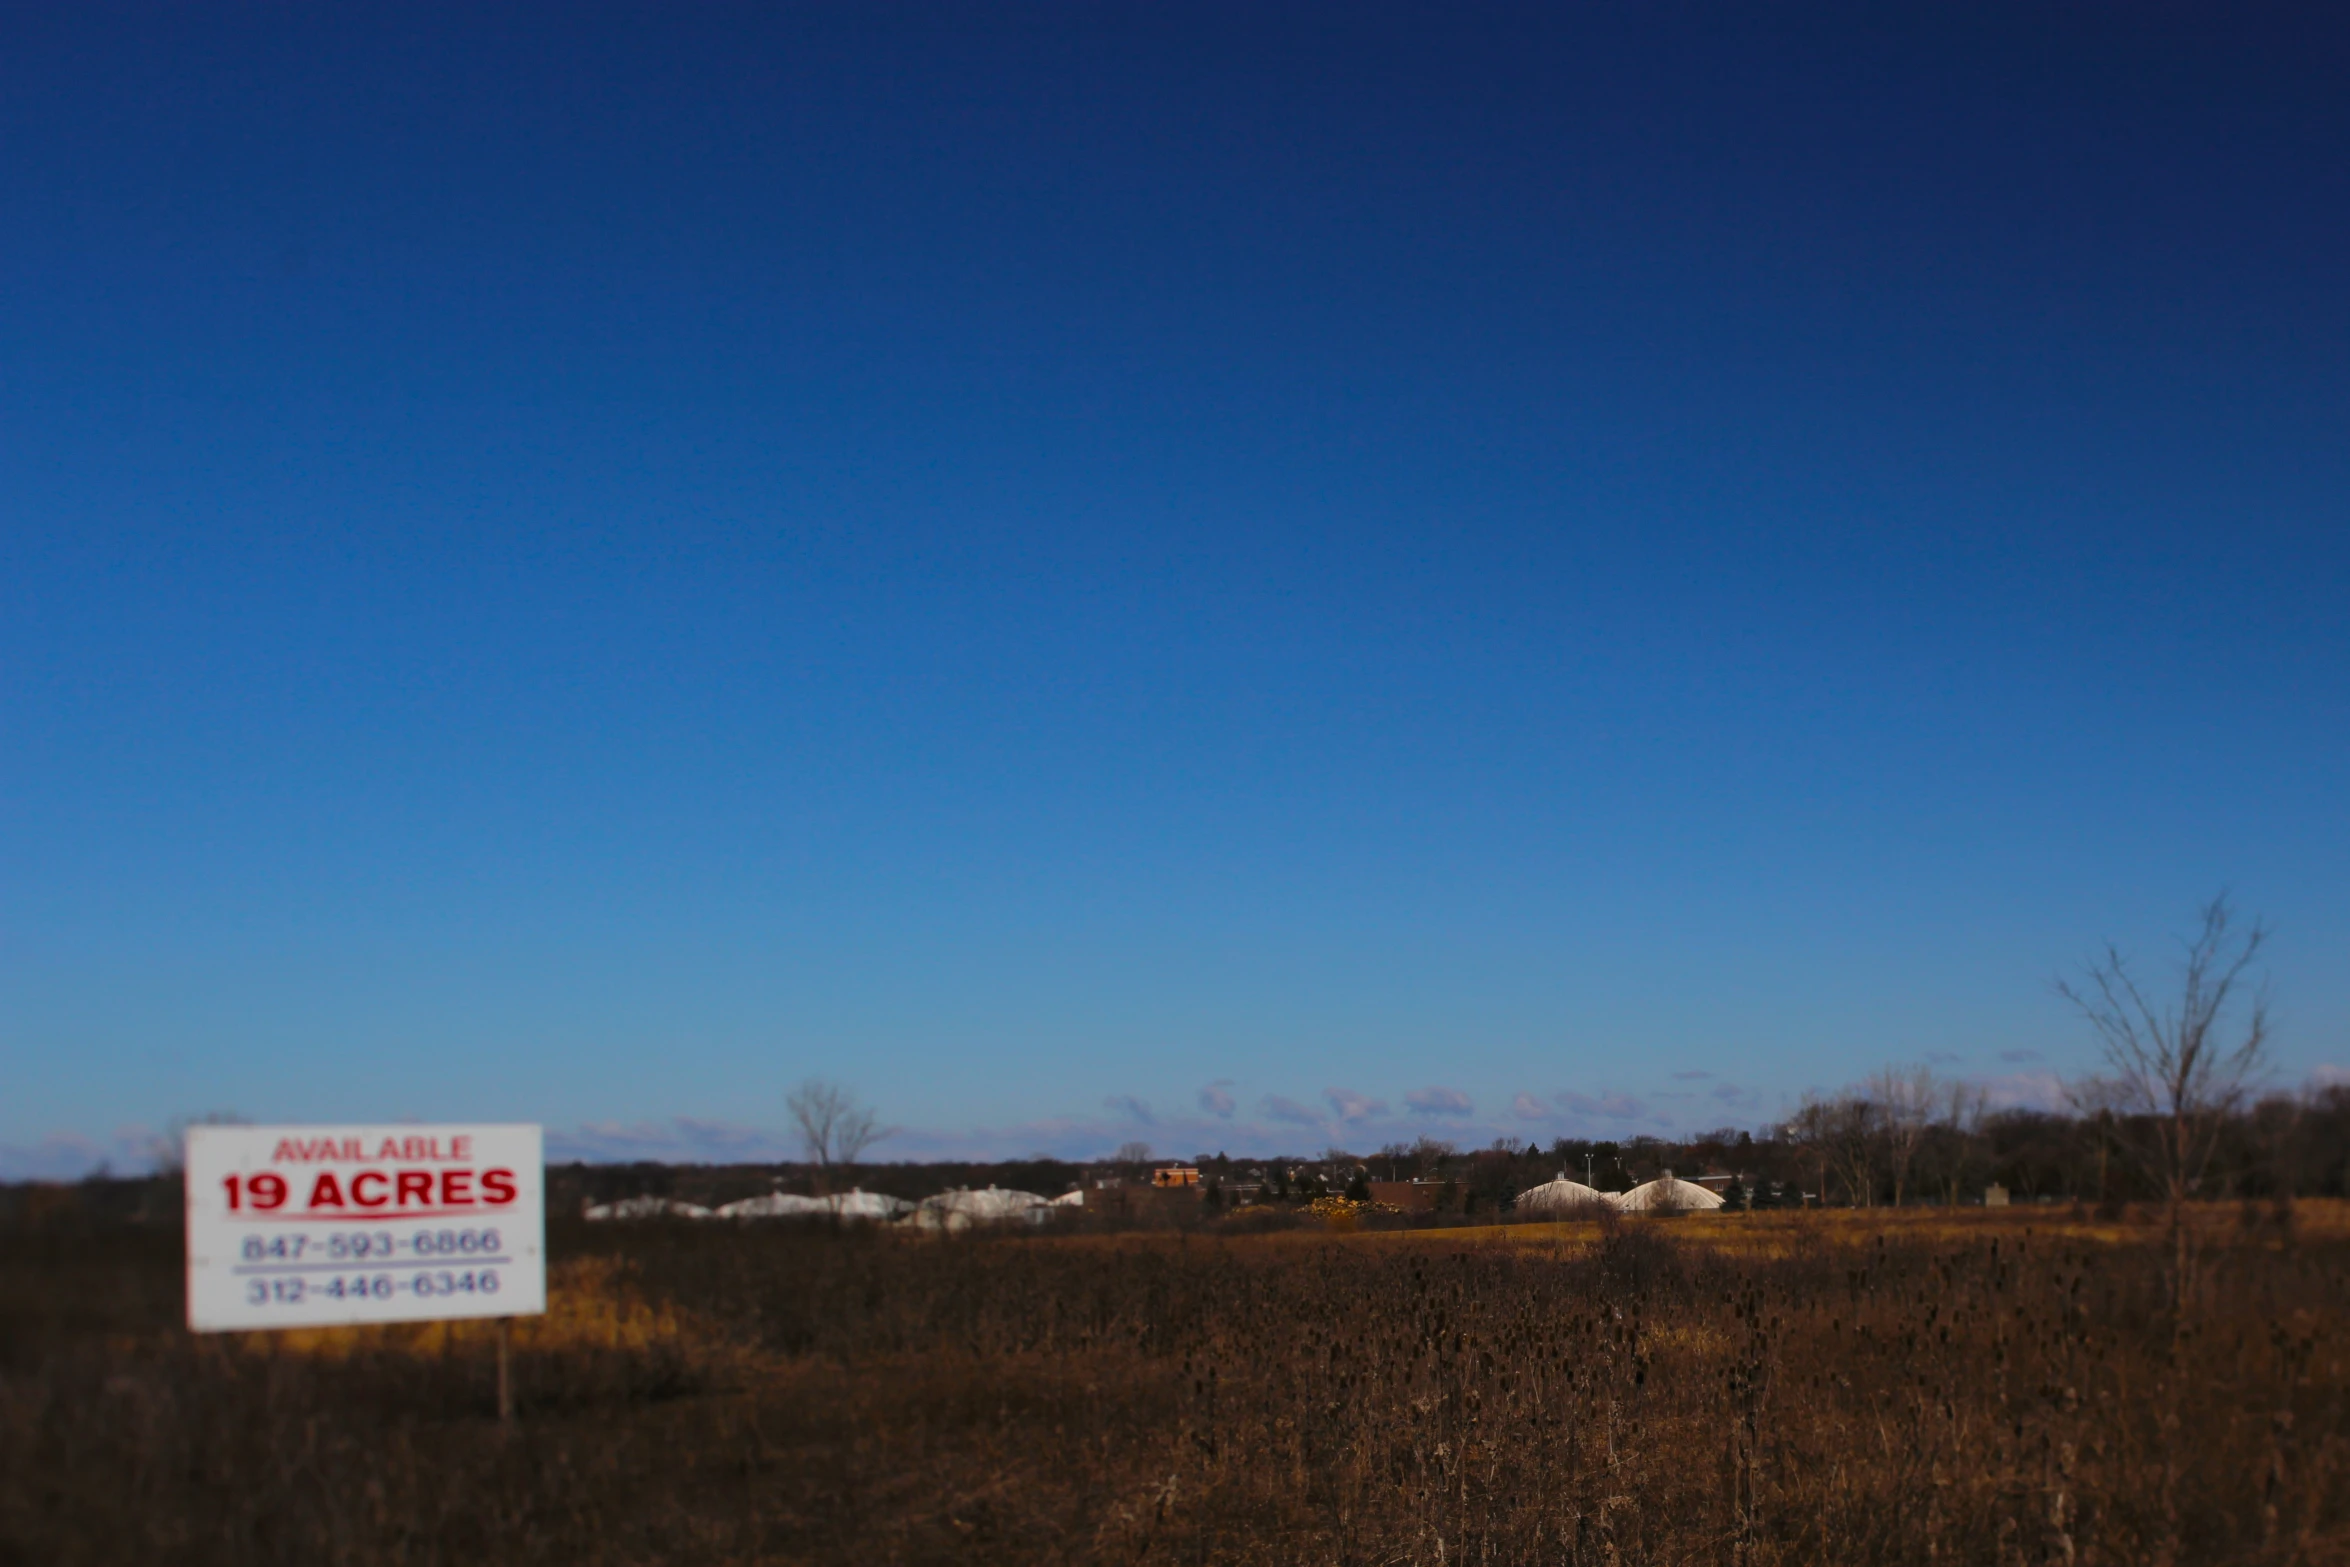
(858,1203)
(647,1208)
(960,1210)
(1563,1198)
(1666,1195)
(874,1207)
(774,1205)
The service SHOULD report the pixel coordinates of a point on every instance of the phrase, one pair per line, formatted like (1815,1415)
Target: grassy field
(1978,1387)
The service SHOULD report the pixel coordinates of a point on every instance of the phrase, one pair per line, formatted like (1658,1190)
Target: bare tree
(834,1128)
(169,1151)
(1963,1107)
(2180,1069)
(1904,1097)
(1841,1135)
(1137,1153)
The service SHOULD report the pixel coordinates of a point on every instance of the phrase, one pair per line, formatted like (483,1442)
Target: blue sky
(1237,576)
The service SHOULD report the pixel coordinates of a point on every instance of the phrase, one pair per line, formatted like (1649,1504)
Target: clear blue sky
(1227,575)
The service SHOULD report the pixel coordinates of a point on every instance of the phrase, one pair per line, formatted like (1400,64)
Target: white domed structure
(858,1203)
(647,1208)
(960,1210)
(1563,1198)
(1666,1195)
(775,1205)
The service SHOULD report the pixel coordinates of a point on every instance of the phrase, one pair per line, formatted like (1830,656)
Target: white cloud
(1607,1107)
(1130,1107)
(680,1140)
(68,1156)
(2025,1091)
(1526,1107)
(1291,1111)
(1217,1101)
(1434,1100)
(1351,1106)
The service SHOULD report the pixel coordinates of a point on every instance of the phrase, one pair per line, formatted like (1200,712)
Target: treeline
(1901,1138)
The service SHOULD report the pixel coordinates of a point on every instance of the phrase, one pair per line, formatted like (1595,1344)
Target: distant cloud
(2025,1091)
(1216,1101)
(721,1136)
(1280,1109)
(1433,1100)
(1528,1108)
(2329,1076)
(68,1156)
(1698,1076)
(1351,1106)
(1608,1107)
(1943,1058)
(2012,1056)
(1131,1107)
(1732,1094)
(678,1140)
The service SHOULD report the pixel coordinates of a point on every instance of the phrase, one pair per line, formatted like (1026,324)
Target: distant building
(1994,1196)
(1410,1196)
(1167,1175)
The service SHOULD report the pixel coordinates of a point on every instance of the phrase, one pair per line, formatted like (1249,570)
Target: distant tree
(834,1128)
(1213,1198)
(1839,1136)
(170,1151)
(1430,1155)
(1359,1189)
(1133,1153)
(2181,1069)
(1735,1194)
(1957,1138)
(1905,1100)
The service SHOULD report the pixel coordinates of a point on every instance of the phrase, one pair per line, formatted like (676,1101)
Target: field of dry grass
(2000,1387)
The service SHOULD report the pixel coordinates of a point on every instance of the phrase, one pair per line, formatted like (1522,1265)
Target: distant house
(1175,1175)
(1410,1196)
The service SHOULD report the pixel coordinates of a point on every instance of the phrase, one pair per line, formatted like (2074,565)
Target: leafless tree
(1963,1106)
(169,1151)
(1429,1157)
(834,1128)
(1905,1099)
(1841,1135)
(1133,1153)
(2181,1068)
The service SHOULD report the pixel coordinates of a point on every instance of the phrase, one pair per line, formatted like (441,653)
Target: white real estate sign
(308,1226)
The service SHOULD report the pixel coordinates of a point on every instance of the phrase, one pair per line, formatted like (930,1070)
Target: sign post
(317,1226)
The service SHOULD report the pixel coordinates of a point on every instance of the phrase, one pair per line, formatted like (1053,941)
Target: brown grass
(1984,1387)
